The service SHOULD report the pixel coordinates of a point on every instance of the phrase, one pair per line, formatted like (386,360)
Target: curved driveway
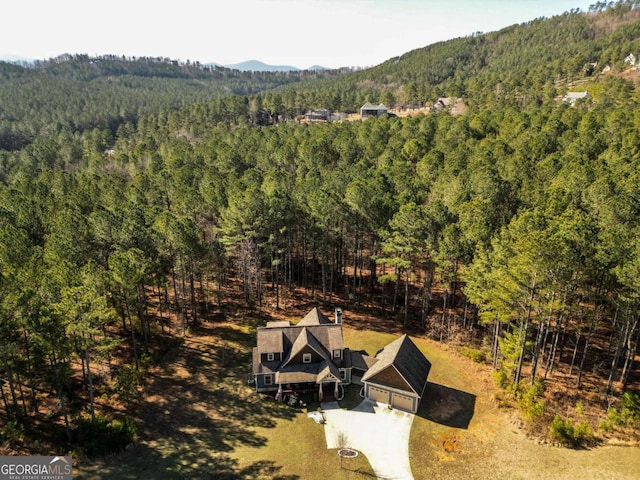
(380,433)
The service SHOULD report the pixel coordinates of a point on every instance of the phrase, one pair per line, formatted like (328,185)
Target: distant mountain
(15,59)
(258,66)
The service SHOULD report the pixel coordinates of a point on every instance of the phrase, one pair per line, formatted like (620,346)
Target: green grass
(299,446)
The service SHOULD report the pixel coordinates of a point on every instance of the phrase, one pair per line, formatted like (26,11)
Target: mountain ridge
(259,66)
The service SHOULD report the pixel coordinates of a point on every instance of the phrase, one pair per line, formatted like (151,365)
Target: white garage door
(402,402)
(378,395)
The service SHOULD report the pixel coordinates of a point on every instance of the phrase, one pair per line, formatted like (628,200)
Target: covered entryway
(402,402)
(328,391)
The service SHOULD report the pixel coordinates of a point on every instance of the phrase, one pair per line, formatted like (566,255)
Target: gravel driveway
(376,431)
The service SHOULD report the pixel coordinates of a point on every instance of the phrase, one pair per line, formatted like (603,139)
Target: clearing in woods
(198,418)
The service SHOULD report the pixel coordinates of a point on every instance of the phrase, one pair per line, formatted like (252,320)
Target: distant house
(399,375)
(573,97)
(310,357)
(320,115)
(443,103)
(453,105)
(370,110)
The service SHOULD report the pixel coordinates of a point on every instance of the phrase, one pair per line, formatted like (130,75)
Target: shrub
(479,356)
(106,436)
(530,400)
(569,434)
(627,415)
(13,432)
(502,378)
(630,410)
(126,381)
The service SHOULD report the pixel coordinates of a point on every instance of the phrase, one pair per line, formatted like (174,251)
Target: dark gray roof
(362,361)
(407,359)
(315,331)
(280,339)
(300,373)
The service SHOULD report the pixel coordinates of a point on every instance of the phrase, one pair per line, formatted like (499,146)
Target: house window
(306,358)
(337,354)
(268,380)
(270,357)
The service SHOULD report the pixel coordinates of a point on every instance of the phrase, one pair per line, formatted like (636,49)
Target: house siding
(391,378)
(277,357)
(297,359)
(261,385)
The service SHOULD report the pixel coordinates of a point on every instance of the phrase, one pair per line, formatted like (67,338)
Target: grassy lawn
(199,419)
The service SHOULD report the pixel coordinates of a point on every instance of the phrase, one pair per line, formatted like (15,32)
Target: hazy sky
(331,33)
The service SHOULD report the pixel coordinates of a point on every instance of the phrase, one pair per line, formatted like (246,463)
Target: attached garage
(402,402)
(377,394)
(399,376)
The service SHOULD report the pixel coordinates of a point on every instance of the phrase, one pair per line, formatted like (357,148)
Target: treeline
(524,63)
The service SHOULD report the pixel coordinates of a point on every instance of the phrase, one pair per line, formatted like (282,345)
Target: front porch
(326,391)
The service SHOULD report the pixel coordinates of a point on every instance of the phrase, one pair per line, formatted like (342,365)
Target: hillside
(525,62)
(77,92)
(509,234)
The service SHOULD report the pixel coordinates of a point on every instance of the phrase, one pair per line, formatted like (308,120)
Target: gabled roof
(370,106)
(314,317)
(299,373)
(315,332)
(327,368)
(362,361)
(403,355)
(305,339)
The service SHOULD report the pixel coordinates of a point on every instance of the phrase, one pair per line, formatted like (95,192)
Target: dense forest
(77,92)
(131,191)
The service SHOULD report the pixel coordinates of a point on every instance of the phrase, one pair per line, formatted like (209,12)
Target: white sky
(331,33)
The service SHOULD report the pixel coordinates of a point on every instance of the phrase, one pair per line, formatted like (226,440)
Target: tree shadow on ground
(196,410)
(151,463)
(447,406)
